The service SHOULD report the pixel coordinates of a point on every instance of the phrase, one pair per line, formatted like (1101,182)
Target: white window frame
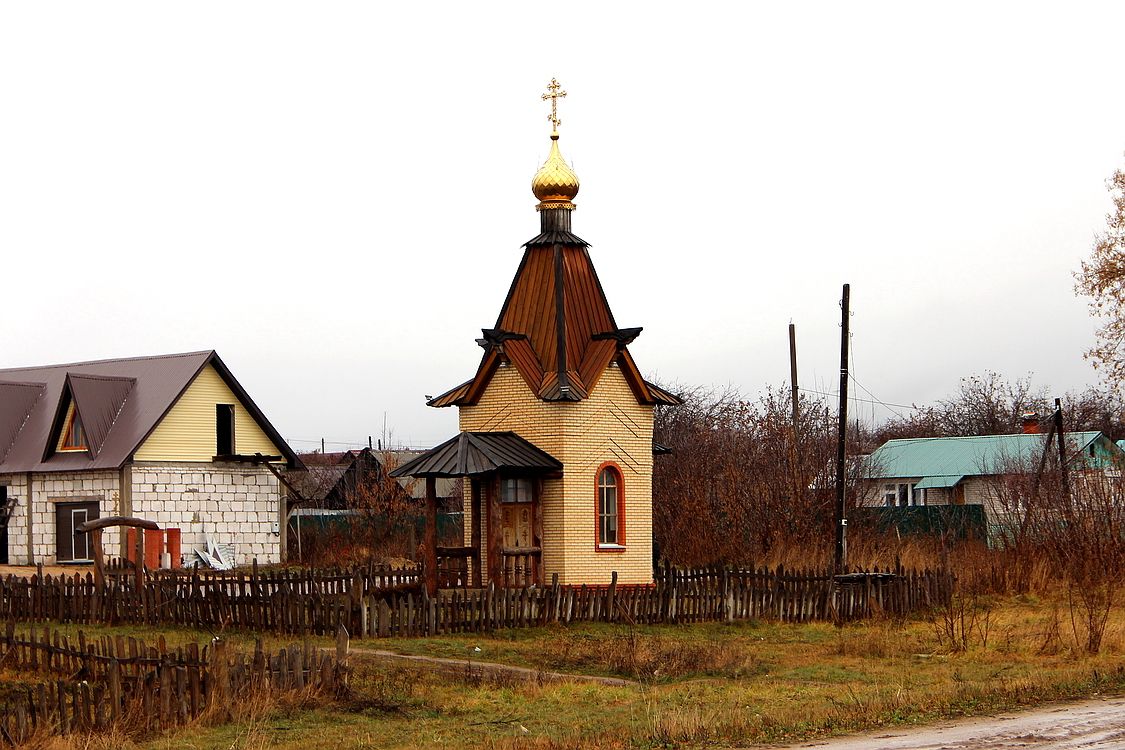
(903,495)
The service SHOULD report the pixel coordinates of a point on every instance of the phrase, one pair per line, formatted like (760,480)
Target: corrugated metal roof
(965,456)
(16,403)
(98,400)
(939,482)
(471,453)
(147,388)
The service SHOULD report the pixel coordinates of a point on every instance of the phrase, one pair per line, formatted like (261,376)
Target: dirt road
(1091,725)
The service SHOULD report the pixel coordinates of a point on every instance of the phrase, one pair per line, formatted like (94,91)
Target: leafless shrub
(740,486)
(1073,518)
(967,618)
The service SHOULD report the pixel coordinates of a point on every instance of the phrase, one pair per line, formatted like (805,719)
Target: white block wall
(230,503)
(50,489)
(17,524)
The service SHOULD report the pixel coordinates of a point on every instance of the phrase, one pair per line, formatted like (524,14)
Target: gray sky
(334,195)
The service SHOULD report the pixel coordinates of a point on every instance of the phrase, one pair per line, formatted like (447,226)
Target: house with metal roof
(961,470)
(555,425)
(174,439)
(335,480)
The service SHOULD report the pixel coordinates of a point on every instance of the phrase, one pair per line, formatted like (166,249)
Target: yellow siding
(188,433)
(608,426)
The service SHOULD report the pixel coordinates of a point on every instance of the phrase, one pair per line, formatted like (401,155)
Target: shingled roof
(120,403)
(556,328)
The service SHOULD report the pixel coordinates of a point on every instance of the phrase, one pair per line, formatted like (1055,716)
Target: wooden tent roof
(472,453)
(556,328)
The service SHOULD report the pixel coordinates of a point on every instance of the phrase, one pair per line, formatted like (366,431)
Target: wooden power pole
(793,376)
(1060,436)
(794,450)
(841,440)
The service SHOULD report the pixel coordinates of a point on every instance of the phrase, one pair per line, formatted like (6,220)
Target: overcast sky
(334,195)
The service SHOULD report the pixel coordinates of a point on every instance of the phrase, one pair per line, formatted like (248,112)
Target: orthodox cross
(554,94)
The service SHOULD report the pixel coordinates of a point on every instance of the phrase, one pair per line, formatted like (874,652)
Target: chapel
(556,425)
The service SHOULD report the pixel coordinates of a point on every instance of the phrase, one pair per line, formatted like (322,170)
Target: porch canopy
(474,453)
(483,457)
(939,482)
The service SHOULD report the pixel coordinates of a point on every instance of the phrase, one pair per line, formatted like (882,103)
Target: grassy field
(715,685)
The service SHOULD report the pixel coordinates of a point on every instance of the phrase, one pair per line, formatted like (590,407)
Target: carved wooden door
(516,525)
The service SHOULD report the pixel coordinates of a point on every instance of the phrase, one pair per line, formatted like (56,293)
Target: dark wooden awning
(474,453)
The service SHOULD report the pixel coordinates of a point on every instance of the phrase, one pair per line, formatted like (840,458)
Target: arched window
(611,507)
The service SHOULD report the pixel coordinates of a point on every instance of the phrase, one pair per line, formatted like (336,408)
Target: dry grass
(708,684)
(647,656)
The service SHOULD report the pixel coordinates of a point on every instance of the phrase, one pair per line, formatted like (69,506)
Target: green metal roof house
(952,471)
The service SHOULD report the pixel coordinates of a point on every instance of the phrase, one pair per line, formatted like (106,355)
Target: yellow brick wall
(608,426)
(187,432)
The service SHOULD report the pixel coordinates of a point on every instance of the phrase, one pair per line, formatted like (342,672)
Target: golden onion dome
(555,184)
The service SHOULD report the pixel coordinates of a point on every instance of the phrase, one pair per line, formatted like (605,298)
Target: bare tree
(740,486)
(990,404)
(1102,278)
(1065,527)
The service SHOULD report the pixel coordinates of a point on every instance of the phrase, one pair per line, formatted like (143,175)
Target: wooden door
(71,545)
(516,525)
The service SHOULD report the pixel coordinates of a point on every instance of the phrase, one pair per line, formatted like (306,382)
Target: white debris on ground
(218,555)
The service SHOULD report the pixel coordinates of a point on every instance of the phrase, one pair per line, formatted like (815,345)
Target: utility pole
(793,376)
(794,451)
(1060,436)
(841,439)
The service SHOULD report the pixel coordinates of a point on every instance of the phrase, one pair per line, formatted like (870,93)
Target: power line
(890,407)
(864,400)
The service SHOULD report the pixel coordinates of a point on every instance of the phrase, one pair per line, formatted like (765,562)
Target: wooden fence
(149,687)
(303,603)
(678,596)
(307,602)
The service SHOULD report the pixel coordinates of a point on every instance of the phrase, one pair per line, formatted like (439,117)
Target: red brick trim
(620,546)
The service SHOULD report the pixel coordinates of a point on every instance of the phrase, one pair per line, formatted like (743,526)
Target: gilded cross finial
(554,93)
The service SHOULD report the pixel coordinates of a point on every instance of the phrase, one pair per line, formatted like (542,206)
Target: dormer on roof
(88,408)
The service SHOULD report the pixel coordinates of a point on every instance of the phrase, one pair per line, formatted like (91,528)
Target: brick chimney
(1030,422)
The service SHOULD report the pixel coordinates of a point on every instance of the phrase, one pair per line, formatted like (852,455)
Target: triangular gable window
(73,436)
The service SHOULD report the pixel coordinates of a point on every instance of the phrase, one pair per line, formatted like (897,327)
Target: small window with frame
(74,435)
(515,490)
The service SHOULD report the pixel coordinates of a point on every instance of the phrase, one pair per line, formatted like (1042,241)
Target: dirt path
(1090,725)
(464,665)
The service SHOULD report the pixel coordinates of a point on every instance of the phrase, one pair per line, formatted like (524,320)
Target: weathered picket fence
(149,687)
(677,596)
(307,602)
(385,606)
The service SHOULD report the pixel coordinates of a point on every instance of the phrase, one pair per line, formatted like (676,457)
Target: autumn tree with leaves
(1103,279)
